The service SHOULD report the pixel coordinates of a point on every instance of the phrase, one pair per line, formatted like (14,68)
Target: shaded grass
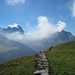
(62,59)
(19,66)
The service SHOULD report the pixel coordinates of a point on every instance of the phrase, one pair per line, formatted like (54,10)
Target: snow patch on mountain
(13,25)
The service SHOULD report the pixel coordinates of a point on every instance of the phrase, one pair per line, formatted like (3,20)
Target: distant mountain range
(57,38)
(11,49)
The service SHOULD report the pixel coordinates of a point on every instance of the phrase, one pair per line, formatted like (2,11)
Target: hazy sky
(26,13)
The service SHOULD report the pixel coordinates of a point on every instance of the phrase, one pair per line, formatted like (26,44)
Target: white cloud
(61,26)
(73,8)
(43,30)
(13,26)
(17,36)
(14,2)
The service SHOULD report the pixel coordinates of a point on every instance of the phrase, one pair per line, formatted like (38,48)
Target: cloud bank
(44,29)
(14,2)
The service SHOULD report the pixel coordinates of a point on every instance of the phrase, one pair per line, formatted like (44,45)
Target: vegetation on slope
(62,59)
(19,66)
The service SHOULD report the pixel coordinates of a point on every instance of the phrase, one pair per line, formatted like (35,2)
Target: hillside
(19,66)
(62,59)
(10,49)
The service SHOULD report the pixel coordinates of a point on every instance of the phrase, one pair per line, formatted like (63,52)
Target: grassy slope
(19,66)
(62,59)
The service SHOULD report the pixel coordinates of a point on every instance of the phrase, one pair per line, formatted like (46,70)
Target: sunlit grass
(62,59)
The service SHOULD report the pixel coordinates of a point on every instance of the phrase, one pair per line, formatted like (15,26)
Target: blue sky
(26,12)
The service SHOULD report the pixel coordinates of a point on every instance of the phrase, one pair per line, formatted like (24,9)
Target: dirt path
(42,65)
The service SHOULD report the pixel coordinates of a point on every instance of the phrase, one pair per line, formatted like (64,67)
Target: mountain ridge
(57,38)
(11,49)
(12,29)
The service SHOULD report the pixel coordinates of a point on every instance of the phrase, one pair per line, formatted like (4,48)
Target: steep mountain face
(10,49)
(57,38)
(12,29)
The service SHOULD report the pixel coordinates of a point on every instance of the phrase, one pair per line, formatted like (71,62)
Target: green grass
(62,59)
(19,66)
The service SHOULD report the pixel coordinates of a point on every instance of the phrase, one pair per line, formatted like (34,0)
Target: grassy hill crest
(62,59)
